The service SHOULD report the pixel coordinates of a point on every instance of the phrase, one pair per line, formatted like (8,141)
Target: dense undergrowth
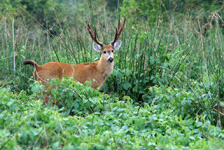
(88,119)
(166,90)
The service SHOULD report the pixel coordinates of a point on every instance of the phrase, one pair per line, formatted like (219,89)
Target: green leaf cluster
(75,98)
(113,123)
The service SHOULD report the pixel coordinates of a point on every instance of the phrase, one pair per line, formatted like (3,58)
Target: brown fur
(96,72)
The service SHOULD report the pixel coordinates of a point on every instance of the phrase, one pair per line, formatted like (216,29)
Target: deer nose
(110,59)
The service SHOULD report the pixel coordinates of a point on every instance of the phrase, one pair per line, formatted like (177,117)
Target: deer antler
(94,35)
(118,30)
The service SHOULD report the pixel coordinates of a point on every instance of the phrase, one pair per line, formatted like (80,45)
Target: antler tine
(118,30)
(94,35)
(119,23)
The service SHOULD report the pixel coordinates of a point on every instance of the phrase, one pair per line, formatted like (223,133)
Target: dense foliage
(109,124)
(166,90)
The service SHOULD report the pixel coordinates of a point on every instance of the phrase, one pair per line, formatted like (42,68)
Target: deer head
(107,50)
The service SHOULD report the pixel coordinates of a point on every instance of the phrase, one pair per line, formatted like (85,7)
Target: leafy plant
(26,124)
(73,98)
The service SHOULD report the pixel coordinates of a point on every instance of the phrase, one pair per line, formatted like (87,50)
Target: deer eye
(104,52)
(112,51)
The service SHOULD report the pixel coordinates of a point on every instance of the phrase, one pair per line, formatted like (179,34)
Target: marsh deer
(96,72)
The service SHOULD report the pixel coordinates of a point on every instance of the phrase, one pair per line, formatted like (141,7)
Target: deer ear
(117,44)
(97,47)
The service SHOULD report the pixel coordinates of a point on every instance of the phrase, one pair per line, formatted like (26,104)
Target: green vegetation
(98,122)
(166,90)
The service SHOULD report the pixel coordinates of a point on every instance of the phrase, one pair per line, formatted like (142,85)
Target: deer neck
(105,67)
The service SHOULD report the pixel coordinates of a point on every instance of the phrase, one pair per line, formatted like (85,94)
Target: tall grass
(74,45)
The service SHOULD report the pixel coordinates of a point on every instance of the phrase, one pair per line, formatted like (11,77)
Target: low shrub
(198,101)
(72,98)
(115,124)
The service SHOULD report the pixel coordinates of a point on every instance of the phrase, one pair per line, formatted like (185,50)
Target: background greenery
(166,90)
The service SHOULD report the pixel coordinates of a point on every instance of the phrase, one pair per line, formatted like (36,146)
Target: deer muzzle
(111,59)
